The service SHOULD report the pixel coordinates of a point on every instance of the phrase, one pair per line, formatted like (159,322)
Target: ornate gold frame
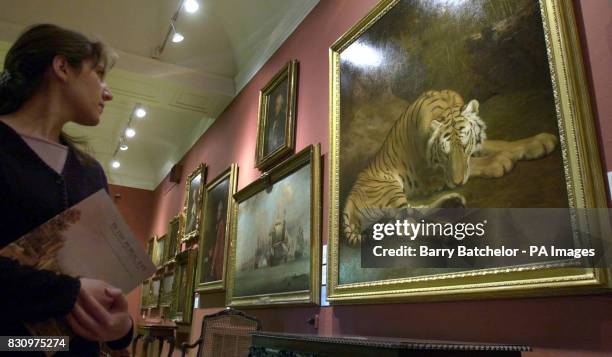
(310,155)
(151,247)
(165,300)
(289,72)
(582,166)
(187,236)
(144,294)
(160,243)
(174,236)
(184,260)
(153,302)
(232,174)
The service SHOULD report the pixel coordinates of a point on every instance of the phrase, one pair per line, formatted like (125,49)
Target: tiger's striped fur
(427,149)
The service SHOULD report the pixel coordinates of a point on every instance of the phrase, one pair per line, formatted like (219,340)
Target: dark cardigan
(31,193)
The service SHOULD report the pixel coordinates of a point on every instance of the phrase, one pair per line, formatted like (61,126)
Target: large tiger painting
(437,143)
(443,104)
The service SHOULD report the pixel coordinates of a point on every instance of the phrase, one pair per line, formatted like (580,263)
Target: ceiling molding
(156,92)
(128,181)
(275,40)
(183,149)
(149,67)
(182,76)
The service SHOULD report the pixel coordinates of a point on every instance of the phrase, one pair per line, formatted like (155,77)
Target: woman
(52,76)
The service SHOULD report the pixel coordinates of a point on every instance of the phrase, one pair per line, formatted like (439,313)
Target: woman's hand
(97,290)
(100,312)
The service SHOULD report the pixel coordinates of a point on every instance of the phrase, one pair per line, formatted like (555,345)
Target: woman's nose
(107,95)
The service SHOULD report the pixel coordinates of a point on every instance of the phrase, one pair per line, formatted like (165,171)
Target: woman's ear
(60,68)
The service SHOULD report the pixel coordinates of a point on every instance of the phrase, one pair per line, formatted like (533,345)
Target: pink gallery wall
(559,326)
(136,207)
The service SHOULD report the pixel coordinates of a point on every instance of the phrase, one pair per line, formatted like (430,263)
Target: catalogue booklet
(90,239)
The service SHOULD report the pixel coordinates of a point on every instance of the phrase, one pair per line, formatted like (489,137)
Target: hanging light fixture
(130,132)
(140,112)
(191,6)
(176,37)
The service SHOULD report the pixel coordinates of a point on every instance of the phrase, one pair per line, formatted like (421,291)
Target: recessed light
(177,37)
(123,147)
(129,132)
(115,164)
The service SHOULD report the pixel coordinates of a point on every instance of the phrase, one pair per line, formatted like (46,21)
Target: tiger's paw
(451,200)
(538,146)
(352,237)
(352,232)
(492,166)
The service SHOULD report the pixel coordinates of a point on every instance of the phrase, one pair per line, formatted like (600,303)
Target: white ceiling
(226,43)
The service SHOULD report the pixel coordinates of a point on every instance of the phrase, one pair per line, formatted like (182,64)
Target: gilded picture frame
(276,119)
(144,294)
(580,167)
(192,208)
(215,231)
(151,248)
(174,236)
(283,210)
(181,310)
(156,285)
(167,294)
(152,299)
(160,251)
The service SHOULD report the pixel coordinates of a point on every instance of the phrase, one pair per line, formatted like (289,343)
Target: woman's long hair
(32,54)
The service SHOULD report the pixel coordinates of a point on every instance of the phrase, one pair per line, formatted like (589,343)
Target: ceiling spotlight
(191,6)
(115,164)
(177,37)
(123,147)
(140,112)
(129,132)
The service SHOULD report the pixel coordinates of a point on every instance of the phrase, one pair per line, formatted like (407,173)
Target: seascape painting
(273,248)
(276,235)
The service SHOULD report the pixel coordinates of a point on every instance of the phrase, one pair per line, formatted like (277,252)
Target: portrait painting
(155,291)
(276,117)
(174,236)
(151,248)
(159,251)
(193,198)
(144,294)
(166,295)
(276,128)
(276,235)
(216,224)
(184,273)
(451,104)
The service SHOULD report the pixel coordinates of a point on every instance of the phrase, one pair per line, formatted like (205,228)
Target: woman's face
(87,93)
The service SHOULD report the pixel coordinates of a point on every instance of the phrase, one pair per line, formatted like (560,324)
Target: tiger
(437,143)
